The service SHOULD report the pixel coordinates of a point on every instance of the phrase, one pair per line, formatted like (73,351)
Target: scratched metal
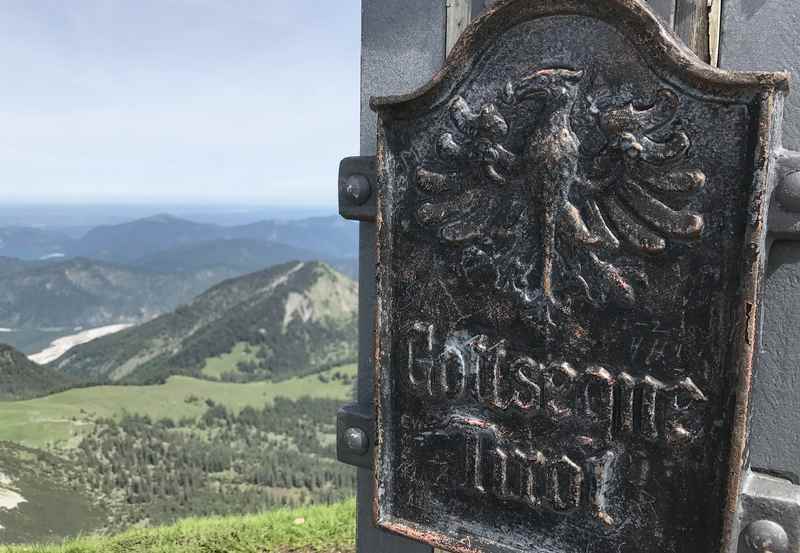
(571,240)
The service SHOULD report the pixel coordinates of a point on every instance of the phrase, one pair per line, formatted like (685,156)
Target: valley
(198,375)
(50,449)
(192,441)
(60,346)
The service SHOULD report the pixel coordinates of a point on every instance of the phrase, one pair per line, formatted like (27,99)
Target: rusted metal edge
(380,353)
(659,46)
(753,266)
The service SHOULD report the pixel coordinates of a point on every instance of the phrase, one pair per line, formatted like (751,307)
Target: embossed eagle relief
(594,175)
(568,262)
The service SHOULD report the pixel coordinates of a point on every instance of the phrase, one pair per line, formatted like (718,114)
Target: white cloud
(178,98)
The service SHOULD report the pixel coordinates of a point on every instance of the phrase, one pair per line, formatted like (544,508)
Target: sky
(200,101)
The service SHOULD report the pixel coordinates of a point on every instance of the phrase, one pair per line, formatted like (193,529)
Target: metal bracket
(355,436)
(358,182)
(784,211)
(769,515)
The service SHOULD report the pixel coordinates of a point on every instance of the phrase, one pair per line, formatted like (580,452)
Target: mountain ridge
(236,255)
(329,237)
(126,242)
(90,293)
(296,318)
(22,379)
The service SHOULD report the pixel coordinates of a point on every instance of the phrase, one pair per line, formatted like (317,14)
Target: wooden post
(714,26)
(691,24)
(458,17)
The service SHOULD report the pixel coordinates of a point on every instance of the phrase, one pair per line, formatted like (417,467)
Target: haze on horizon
(174,101)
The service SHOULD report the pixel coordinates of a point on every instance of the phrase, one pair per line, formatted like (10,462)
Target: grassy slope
(318,332)
(215,367)
(52,507)
(325,529)
(42,421)
(21,378)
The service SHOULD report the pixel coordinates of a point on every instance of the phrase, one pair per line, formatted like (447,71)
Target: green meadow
(63,419)
(217,366)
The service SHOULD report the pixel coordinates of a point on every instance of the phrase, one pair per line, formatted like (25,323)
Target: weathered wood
(691,24)
(458,17)
(714,19)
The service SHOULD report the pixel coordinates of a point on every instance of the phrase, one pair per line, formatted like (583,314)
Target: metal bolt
(788,192)
(357,188)
(765,536)
(356,440)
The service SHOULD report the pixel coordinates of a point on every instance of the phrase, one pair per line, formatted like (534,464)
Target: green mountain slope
(21,378)
(53,504)
(295,318)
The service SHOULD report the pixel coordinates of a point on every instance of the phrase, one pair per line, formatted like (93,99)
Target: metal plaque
(571,230)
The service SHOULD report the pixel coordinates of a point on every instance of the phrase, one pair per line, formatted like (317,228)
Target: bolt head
(356,440)
(788,192)
(765,536)
(357,189)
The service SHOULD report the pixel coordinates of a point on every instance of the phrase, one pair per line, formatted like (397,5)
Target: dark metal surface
(402,46)
(769,515)
(571,223)
(762,34)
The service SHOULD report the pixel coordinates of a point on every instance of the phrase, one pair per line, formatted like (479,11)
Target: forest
(162,470)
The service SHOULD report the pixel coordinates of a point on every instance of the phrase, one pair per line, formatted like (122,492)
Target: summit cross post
(564,247)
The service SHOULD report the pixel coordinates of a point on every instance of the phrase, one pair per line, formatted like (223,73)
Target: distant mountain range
(328,237)
(87,293)
(131,272)
(291,319)
(236,256)
(32,243)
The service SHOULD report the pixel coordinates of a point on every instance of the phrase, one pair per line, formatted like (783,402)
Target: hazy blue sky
(187,100)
